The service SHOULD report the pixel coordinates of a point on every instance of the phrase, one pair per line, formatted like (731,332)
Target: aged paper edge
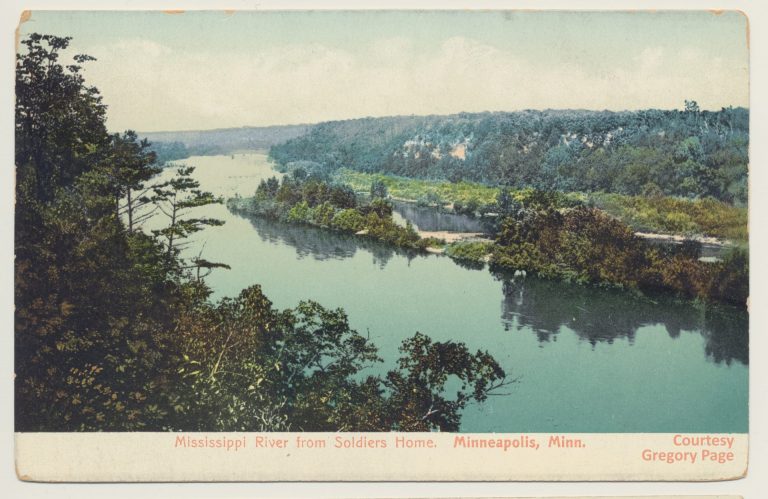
(260,457)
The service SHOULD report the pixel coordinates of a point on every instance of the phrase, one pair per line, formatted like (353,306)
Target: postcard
(381,245)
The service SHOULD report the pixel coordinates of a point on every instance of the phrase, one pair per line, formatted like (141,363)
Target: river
(585,359)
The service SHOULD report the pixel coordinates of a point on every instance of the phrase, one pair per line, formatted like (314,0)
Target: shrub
(323,214)
(349,220)
(475,251)
(300,213)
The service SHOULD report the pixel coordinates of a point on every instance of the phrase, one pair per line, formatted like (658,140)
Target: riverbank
(679,239)
(666,215)
(453,237)
(535,234)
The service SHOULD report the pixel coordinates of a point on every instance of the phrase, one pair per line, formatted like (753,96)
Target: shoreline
(451,237)
(677,239)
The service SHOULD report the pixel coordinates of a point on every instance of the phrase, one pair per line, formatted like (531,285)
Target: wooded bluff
(689,153)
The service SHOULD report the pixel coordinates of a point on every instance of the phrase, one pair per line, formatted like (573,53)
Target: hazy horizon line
(276,125)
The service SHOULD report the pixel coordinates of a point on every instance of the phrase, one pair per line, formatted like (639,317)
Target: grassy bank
(477,252)
(415,189)
(707,217)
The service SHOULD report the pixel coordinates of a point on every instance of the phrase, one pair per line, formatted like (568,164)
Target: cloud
(149,86)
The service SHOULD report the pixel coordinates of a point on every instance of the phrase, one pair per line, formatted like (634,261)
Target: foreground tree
(129,167)
(60,129)
(248,367)
(89,304)
(175,199)
(418,401)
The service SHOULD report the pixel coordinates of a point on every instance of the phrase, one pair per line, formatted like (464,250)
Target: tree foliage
(88,299)
(302,369)
(175,199)
(306,199)
(583,244)
(689,153)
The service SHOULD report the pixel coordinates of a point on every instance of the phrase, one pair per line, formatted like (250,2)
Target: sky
(214,69)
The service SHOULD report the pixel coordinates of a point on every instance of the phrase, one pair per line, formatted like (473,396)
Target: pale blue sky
(212,69)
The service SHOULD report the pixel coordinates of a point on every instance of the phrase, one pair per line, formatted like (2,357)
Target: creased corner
(24,17)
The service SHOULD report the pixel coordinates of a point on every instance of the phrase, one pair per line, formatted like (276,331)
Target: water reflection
(549,307)
(431,219)
(602,316)
(564,387)
(470,264)
(322,244)
(727,334)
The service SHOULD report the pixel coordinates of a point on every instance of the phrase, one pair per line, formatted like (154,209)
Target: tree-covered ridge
(689,153)
(114,330)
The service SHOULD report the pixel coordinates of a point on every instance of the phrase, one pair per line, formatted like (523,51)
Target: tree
(129,165)
(505,203)
(249,367)
(90,299)
(175,199)
(378,190)
(417,401)
(59,119)
(691,106)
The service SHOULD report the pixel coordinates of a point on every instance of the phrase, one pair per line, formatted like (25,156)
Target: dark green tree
(417,398)
(176,199)
(378,190)
(249,367)
(89,304)
(129,165)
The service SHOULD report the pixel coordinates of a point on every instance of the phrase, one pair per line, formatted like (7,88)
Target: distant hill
(689,153)
(182,144)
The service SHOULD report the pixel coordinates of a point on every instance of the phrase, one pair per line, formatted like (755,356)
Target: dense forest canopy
(689,152)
